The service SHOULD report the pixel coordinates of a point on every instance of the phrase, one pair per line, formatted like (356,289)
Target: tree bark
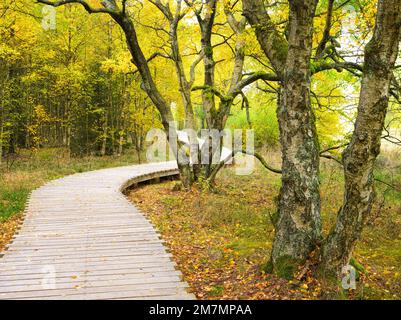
(298,227)
(185,85)
(273,44)
(238,27)
(206,26)
(360,155)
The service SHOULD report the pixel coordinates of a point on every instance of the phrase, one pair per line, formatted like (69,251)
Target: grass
(221,241)
(30,170)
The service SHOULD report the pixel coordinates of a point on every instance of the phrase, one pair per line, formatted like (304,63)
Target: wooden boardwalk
(82,239)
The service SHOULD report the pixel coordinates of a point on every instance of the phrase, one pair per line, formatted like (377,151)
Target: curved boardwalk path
(82,239)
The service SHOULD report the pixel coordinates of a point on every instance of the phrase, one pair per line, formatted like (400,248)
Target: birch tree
(298,227)
(360,155)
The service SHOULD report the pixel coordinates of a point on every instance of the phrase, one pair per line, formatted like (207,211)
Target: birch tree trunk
(298,228)
(360,155)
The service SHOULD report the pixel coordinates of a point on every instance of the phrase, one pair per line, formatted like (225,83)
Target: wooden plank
(88,242)
(85,248)
(98,245)
(89,278)
(133,282)
(83,267)
(101,259)
(104,292)
(110,237)
(138,294)
(88,256)
(68,233)
(93,272)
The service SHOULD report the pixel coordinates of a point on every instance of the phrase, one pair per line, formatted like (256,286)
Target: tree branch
(339,66)
(334,148)
(212,90)
(272,42)
(326,32)
(192,69)
(233,153)
(153,56)
(165,9)
(83,3)
(252,78)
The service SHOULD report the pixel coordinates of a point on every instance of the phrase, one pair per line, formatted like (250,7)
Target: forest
(83,82)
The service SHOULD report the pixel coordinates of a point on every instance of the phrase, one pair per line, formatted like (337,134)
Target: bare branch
(153,56)
(252,78)
(165,9)
(233,153)
(83,3)
(212,90)
(192,69)
(334,148)
(326,32)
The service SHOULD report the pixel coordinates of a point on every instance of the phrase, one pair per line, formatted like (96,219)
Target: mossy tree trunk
(360,155)
(298,227)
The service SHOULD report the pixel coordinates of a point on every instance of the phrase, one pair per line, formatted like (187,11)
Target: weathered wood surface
(82,239)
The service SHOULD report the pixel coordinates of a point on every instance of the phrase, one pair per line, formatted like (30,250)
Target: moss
(286,266)
(274,217)
(216,290)
(268,267)
(208,94)
(313,66)
(208,51)
(358,268)
(281,46)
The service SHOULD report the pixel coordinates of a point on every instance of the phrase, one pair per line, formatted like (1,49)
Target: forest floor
(30,170)
(221,240)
